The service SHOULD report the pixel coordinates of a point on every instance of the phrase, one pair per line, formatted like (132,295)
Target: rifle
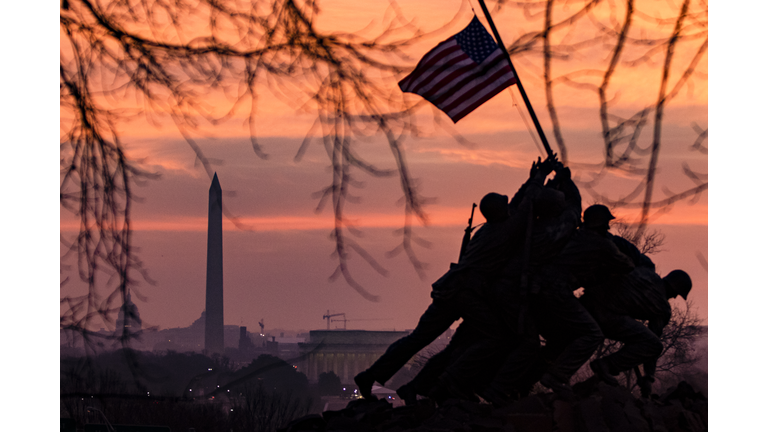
(467,233)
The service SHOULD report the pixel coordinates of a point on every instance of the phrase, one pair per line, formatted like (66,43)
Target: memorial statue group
(514,285)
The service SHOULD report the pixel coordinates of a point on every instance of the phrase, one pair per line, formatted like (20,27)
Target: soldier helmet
(680,282)
(597,216)
(493,206)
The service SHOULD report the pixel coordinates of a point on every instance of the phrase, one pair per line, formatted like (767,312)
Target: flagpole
(517,77)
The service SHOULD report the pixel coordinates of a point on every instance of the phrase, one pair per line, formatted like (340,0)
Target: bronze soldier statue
(468,363)
(458,293)
(543,303)
(533,298)
(619,303)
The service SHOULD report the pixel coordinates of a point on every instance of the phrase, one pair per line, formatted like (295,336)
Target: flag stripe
(440,54)
(469,81)
(427,74)
(447,79)
(450,77)
(498,71)
(482,99)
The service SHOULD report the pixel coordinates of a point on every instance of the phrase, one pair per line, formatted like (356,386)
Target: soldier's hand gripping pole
(467,233)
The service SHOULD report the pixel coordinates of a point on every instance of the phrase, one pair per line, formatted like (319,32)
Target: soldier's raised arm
(531,187)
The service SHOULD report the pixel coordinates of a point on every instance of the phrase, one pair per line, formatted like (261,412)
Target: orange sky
(279,269)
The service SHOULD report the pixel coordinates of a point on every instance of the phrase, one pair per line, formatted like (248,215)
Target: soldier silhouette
(459,292)
(470,359)
(542,302)
(527,307)
(619,303)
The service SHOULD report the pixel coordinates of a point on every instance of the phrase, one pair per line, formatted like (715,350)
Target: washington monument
(214,276)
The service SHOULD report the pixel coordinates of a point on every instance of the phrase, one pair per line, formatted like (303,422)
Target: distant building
(128,319)
(245,343)
(179,339)
(343,352)
(183,339)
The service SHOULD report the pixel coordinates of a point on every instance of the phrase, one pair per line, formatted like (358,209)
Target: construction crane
(328,317)
(261,324)
(344,320)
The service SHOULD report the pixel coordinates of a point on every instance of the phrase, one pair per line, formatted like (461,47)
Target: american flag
(461,73)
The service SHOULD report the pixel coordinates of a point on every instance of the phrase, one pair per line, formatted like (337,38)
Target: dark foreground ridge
(594,407)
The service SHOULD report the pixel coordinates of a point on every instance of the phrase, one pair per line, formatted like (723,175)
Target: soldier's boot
(446,389)
(495,397)
(601,371)
(364,381)
(407,393)
(556,385)
(646,386)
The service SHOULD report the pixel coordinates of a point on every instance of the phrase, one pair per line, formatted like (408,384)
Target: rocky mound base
(594,407)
